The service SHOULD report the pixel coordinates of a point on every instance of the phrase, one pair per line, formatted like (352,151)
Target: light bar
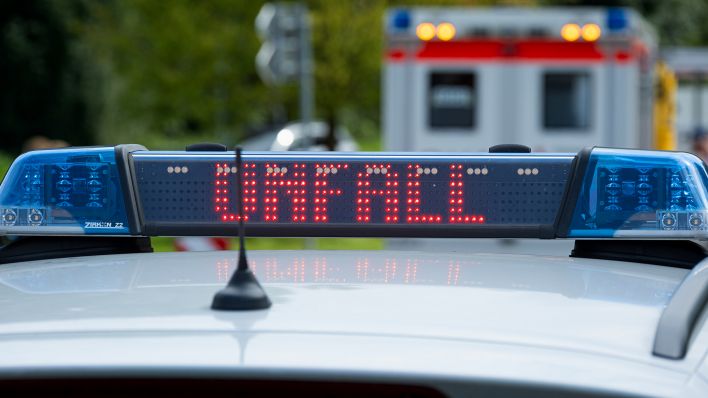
(597,193)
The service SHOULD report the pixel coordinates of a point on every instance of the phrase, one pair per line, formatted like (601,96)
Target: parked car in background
(293,137)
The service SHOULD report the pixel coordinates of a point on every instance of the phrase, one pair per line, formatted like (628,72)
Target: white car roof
(560,321)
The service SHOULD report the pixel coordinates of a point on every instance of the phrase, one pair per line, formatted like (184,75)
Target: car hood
(337,301)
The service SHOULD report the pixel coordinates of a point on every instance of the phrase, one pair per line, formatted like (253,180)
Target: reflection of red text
(453,273)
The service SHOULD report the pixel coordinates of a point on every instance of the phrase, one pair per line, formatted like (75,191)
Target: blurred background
(361,74)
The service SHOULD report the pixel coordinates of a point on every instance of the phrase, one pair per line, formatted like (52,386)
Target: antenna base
(243,293)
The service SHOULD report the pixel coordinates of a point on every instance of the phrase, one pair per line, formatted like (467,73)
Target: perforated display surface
(356,190)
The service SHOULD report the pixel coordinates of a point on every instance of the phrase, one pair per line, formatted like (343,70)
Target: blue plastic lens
(401,19)
(641,194)
(70,191)
(617,19)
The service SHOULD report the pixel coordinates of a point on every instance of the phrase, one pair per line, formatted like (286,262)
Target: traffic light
(284,55)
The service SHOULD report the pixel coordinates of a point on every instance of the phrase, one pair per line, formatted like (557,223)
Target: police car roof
(459,323)
(436,319)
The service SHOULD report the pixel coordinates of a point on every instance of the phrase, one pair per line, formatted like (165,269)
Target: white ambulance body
(691,68)
(508,75)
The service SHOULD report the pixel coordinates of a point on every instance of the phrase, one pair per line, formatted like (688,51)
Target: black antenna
(243,292)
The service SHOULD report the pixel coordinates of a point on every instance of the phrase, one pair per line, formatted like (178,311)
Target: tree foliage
(678,22)
(187,70)
(347,48)
(178,70)
(47,80)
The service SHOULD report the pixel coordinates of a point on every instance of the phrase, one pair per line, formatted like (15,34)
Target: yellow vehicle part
(664,108)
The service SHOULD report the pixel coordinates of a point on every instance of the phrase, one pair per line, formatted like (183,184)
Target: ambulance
(553,79)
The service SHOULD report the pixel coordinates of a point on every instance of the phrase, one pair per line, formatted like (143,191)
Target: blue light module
(597,193)
(63,192)
(641,194)
(400,19)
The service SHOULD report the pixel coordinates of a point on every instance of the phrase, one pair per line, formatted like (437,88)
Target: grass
(372,144)
(5,161)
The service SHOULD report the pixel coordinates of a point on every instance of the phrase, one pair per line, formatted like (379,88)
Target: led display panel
(353,190)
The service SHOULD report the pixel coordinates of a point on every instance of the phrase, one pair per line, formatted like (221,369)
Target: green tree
(678,22)
(177,72)
(185,71)
(47,81)
(347,40)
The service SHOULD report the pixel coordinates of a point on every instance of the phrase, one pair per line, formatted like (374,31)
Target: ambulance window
(566,100)
(452,100)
